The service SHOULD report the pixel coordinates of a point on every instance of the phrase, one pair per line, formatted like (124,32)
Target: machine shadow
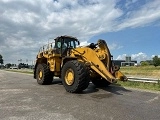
(89,89)
(114,88)
(57,81)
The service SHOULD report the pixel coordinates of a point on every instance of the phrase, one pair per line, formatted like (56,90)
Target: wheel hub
(40,74)
(69,77)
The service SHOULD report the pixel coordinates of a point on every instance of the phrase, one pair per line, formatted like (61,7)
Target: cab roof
(65,36)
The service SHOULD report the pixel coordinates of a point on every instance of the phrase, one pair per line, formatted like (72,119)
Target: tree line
(155,61)
(1,59)
(8,65)
(20,65)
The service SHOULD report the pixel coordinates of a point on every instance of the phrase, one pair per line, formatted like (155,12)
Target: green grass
(141,85)
(142,71)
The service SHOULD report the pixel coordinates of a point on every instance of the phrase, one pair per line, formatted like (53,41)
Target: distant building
(127,62)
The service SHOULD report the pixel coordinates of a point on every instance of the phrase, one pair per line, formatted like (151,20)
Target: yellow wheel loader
(76,65)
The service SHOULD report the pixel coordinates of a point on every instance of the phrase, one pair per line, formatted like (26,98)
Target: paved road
(21,98)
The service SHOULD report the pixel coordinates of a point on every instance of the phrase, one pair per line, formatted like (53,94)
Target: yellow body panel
(120,76)
(90,57)
(54,60)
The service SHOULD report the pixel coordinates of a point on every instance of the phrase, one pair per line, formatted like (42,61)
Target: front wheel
(75,76)
(43,74)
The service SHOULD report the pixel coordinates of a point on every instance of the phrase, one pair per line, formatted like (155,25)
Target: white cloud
(147,14)
(130,2)
(85,43)
(26,25)
(138,56)
(155,55)
(121,57)
(114,46)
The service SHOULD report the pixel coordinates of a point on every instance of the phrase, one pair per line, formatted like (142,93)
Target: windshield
(70,42)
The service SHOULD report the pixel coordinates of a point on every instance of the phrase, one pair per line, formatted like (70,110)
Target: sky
(130,27)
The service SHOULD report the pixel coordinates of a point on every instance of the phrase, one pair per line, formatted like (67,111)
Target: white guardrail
(146,80)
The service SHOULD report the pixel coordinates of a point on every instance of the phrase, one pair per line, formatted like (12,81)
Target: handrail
(47,47)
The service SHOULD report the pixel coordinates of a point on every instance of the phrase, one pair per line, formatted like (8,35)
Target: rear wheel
(100,82)
(75,76)
(43,74)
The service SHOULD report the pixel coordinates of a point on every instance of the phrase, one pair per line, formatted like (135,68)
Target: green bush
(144,63)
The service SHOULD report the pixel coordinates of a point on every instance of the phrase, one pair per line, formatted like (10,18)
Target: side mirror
(78,42)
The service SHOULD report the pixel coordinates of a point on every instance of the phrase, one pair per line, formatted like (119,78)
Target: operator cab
(65,43)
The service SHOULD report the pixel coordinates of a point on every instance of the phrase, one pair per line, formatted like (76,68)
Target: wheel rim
(40,74)
(69,77)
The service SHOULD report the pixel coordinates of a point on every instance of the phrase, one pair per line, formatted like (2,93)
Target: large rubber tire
(46,77)
(100,82)
(81,76)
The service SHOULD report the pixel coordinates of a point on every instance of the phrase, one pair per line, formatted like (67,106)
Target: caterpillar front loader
(76,65)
